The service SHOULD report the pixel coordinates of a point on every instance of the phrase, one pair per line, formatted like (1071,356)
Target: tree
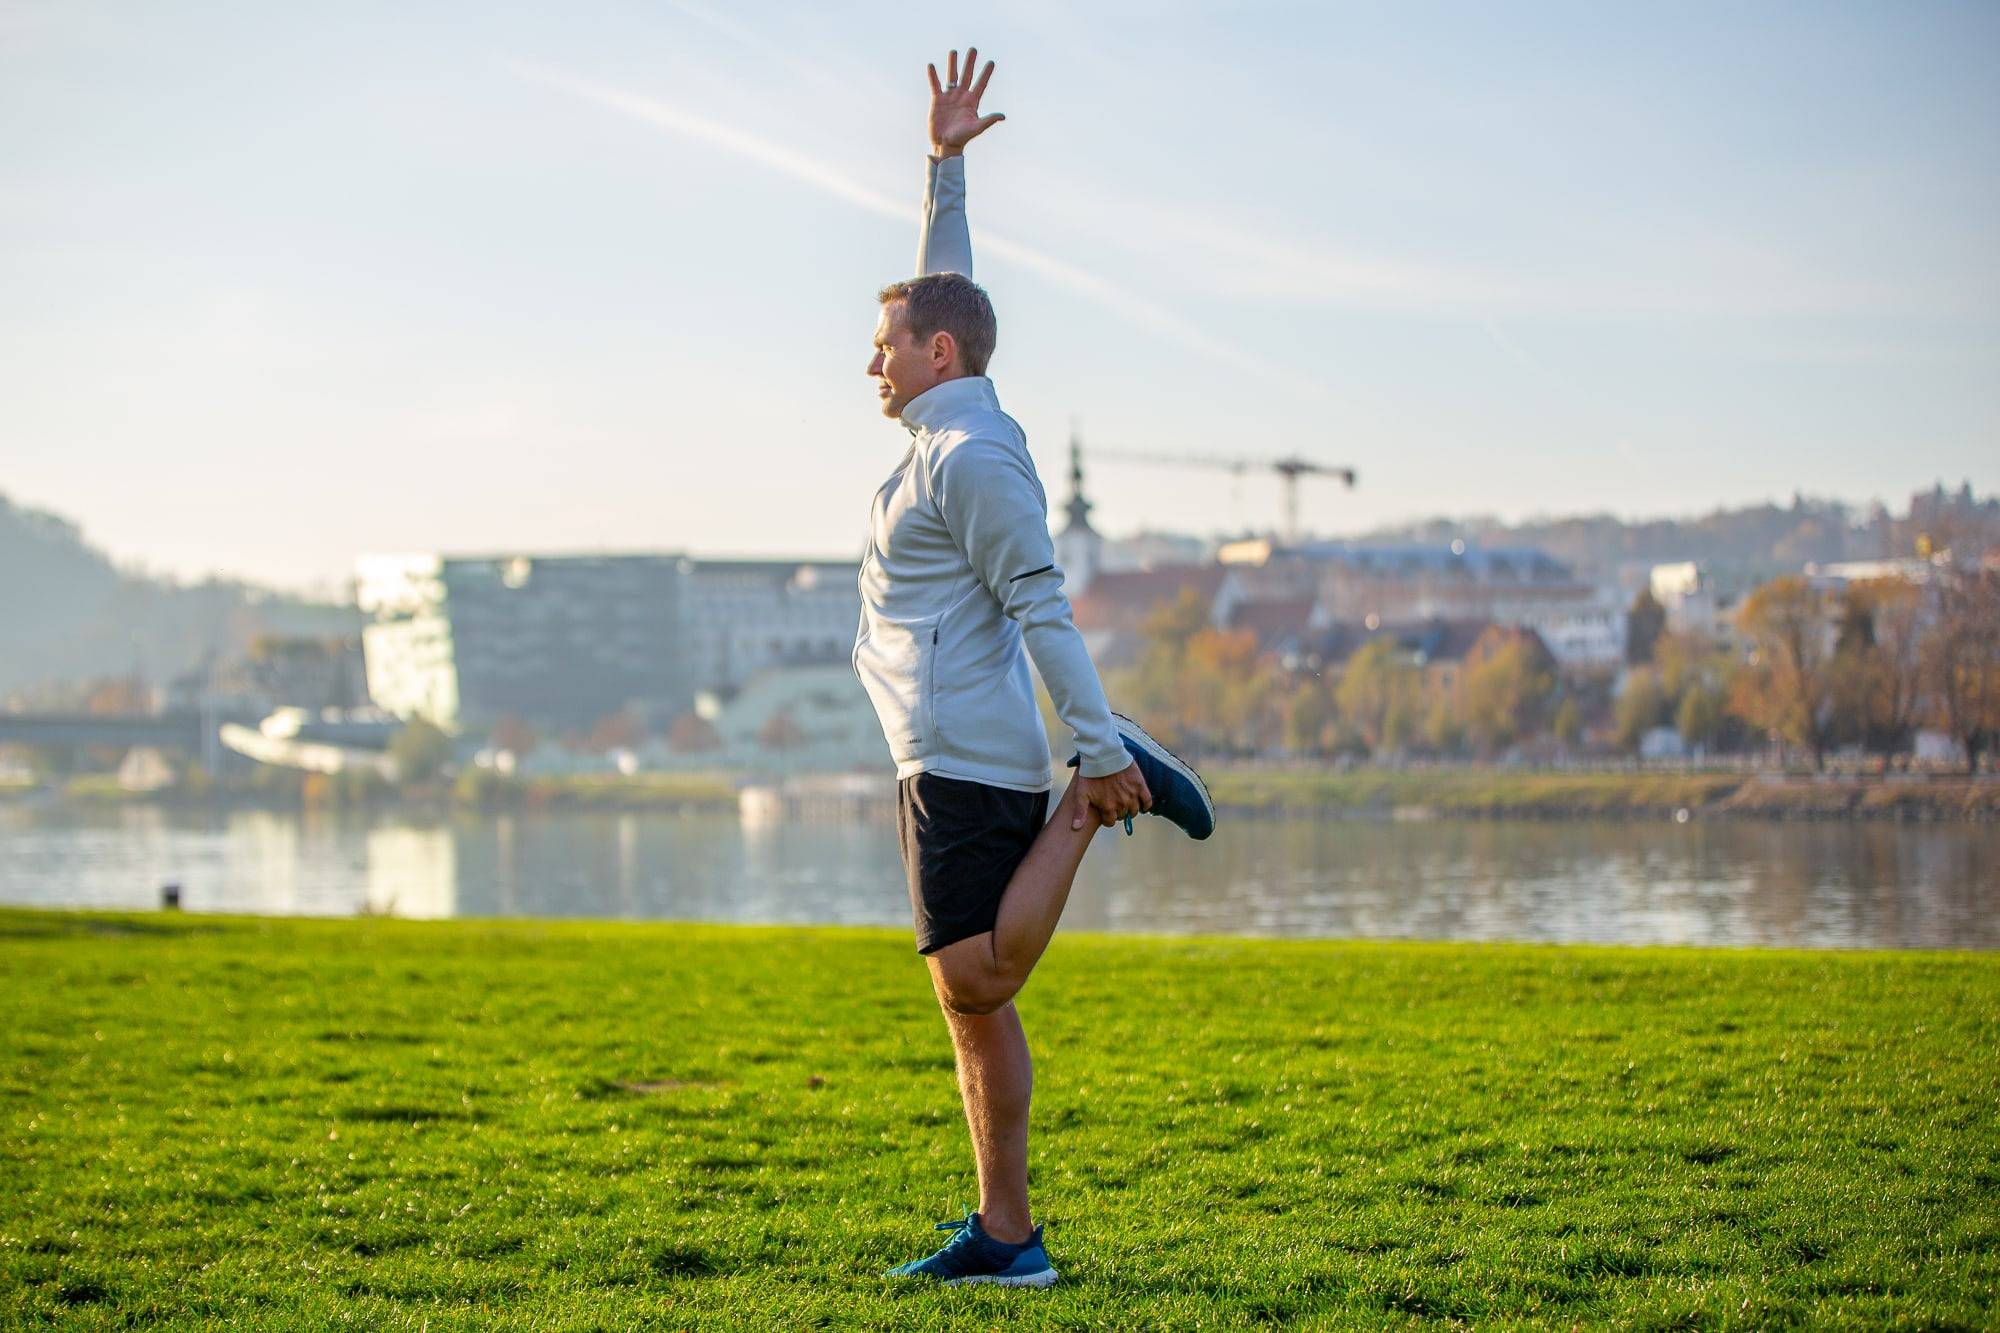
(1442,729)
(420,750)
(1309,715)
(780,733)
(1960,660)
(1568,724)
(1698,718)
(1223,690)
(1639,709)
(692,733)
(1156,684)
(615,731)
(1643,626)
(1509,680)
(1786,688)
(1378,675)
(1877,664)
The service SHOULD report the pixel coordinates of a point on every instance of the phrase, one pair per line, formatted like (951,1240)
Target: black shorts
(961,844)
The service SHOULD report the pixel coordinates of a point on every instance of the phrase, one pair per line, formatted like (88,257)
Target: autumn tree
(1444,732)
(1378,676)
(1509,680)
(1698,715)
(1786,688)
(1960,660)
(1568,724)
(1223,689)
(1309,715)
(781,733)
(1155,684)
(691,733)
(616,731)
(1877,672)
(1641,705)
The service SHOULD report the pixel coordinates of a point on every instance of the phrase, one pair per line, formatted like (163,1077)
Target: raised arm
(945,243)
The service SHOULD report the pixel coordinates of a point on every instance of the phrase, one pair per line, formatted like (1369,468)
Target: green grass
(391,1125)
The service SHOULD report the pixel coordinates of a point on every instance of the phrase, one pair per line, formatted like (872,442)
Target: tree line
(1811,669)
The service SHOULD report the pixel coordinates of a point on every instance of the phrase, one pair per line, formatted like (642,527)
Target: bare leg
(980,974)
(996,1081)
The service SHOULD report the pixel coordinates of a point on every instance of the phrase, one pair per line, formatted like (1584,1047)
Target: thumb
(988,122)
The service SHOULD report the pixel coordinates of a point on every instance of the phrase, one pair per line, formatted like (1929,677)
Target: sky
(281,285)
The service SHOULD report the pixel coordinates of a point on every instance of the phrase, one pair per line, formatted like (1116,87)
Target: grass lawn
(377,1124)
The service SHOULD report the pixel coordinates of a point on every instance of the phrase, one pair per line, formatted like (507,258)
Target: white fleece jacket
(960,575)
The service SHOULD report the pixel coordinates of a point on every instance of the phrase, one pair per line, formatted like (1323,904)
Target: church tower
(1079,550)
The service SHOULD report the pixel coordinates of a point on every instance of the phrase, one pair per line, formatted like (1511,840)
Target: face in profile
(902,366)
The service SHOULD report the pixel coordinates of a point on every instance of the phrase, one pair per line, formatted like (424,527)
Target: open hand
(1109,799)
(955,118)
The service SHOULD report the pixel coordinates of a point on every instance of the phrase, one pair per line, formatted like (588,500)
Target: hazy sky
(278,287)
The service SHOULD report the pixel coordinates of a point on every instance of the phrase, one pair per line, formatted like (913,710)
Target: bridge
(191,730)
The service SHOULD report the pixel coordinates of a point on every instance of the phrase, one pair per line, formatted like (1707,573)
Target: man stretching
(960,574)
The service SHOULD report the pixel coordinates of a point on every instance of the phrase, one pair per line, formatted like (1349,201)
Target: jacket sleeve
(944,245)
(998,515)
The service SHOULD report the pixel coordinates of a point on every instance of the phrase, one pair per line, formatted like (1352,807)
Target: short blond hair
(949,303)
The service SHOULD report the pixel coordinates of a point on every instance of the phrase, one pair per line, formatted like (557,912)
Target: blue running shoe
(971,1256)
(1179,795)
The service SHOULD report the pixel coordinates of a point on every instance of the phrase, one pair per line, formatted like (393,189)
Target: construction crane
(1290,469)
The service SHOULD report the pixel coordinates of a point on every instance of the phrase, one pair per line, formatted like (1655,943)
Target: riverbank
(1247,790)
(1508,794)
(534,1124)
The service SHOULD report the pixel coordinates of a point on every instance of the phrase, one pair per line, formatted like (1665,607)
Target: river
(1817,885)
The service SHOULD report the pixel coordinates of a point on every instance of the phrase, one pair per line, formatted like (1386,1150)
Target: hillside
(1758,539)
(67,613)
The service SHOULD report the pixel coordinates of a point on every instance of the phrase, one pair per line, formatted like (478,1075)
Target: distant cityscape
(520,664)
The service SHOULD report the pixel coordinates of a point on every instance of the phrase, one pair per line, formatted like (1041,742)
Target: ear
(944,350)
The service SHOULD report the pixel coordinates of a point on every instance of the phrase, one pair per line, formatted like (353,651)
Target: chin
(891,408)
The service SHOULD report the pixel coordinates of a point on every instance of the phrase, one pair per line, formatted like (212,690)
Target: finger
(937,89)
(979,88)
(1076,824)
(971,65)
(951,70)
(986,123)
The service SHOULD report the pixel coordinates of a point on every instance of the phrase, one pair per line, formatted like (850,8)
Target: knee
(975,994)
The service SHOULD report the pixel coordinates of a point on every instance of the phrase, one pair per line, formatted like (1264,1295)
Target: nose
(875,364)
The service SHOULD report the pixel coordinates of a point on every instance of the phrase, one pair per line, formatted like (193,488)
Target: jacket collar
(938,404)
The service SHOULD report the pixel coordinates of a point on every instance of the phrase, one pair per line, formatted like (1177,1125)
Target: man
(959,576)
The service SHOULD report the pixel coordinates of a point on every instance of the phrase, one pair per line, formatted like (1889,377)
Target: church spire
(1078,546)
(1078,507)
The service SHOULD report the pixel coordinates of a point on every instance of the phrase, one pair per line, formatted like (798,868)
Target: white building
(1580,631)
(1696,600)
(564,641)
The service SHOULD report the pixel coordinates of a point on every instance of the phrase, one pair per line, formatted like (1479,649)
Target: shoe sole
(1045,1278)
(1173,761)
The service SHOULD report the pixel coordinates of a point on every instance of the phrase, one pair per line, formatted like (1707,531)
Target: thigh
(961,843)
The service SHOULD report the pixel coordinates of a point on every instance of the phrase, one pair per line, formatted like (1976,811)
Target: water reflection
(1921,886)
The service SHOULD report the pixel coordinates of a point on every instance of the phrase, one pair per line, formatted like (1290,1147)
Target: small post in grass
(170,897)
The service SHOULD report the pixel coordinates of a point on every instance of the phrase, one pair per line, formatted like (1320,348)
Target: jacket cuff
(1102,765)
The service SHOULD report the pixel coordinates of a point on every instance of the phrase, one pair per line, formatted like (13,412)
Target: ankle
(1008,1228)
